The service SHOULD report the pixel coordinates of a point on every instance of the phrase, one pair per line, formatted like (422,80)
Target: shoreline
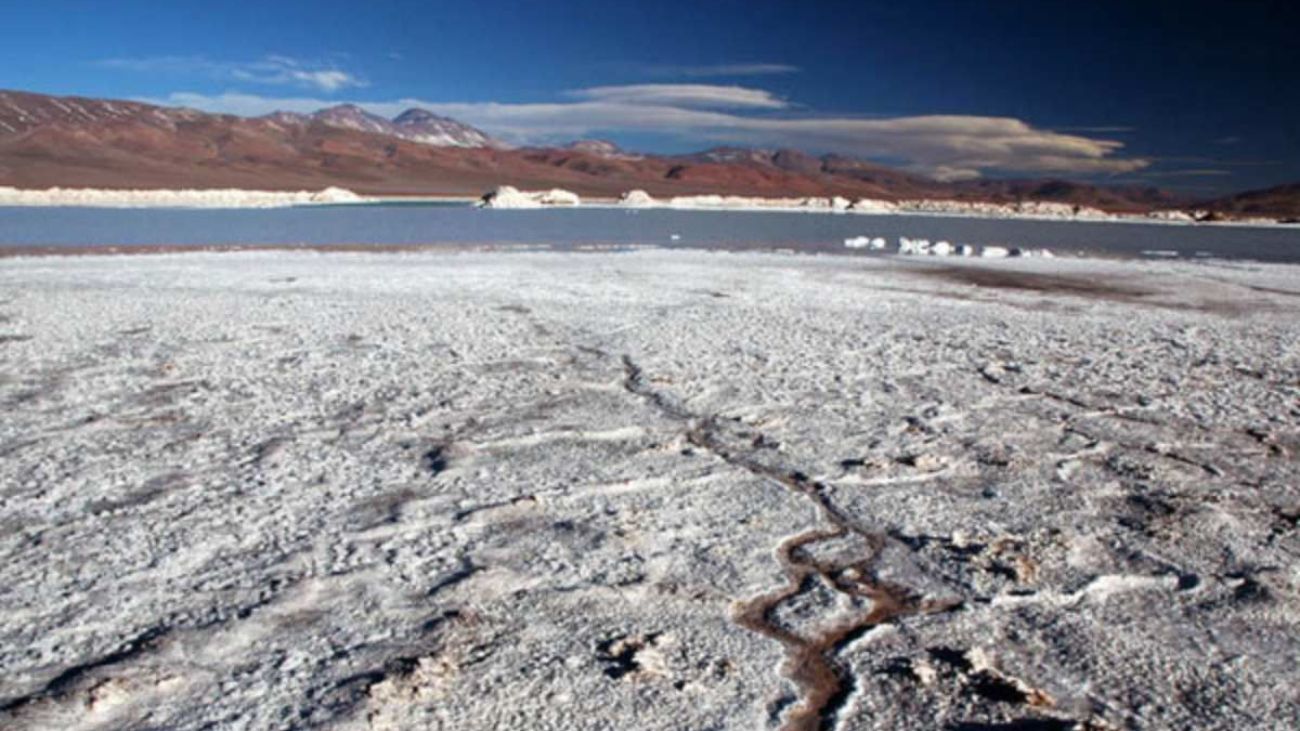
(144,250)
(247,199)
(995,273)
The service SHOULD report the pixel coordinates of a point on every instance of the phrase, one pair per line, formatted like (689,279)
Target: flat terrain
(647,490)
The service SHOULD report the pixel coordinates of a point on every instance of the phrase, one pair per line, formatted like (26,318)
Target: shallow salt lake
(459,224)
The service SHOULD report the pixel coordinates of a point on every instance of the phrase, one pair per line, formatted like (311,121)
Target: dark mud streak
(149,641)
(63,682)
(1084,288)
(344,698)
(997,278)
(825,685)
(1265,439)
(461,515)
(466,571)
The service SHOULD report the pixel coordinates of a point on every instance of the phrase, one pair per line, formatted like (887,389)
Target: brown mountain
(1282,201)
(50,141)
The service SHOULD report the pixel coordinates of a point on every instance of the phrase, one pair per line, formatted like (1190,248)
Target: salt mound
(508,196)
(916,247)
(637,199)
(559,197)
(865,242)
(869,205)
(335,195)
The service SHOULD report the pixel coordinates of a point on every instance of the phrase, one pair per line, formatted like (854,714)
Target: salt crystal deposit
(657,490)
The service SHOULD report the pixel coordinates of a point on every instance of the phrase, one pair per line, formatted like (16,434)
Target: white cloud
(707,96)
(950,174)
(270,70)
(950,147)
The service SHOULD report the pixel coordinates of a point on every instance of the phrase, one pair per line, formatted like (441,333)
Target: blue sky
(1195,96)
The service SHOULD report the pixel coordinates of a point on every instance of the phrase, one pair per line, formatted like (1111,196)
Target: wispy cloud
(706,96)
(725,70)
(1192,173)
(1204,161)
(269,70)
(946,146)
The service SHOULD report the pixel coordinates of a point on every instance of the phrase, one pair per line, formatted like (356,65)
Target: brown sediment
(810,663)
(1084,287)
(824,684)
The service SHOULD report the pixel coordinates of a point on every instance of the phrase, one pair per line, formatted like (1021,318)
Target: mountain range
(48,141)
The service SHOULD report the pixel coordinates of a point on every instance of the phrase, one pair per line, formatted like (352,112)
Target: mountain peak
(416,115)
(601,148)
(425,127)
(414,125)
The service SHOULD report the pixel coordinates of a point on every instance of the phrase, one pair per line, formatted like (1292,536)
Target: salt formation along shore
(510,197)
(220,198)
(507,196)
(922,247)
(664,489)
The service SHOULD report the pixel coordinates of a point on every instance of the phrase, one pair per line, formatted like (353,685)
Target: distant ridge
(48,141)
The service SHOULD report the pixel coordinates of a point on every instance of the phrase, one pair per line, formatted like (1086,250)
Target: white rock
(559,197)
(1171,215)
(334,195)
(507,196)
(914,247)
(941,248)
(637,199)
(995,252)
(869,205)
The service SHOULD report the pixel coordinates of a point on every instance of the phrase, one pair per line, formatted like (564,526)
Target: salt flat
(650,490)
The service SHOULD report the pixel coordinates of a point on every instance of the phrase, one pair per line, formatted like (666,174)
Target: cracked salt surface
(653,490)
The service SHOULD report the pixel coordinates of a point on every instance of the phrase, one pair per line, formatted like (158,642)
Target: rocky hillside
(1282,201)
(50,141)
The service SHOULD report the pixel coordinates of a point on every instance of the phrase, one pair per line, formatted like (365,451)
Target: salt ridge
(222,198)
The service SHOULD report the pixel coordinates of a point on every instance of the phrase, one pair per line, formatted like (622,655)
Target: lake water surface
(460,224)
